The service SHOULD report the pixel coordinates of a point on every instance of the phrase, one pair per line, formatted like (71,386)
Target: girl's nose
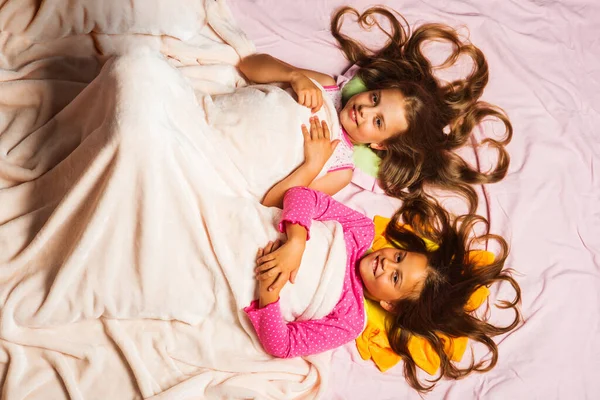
(365,110)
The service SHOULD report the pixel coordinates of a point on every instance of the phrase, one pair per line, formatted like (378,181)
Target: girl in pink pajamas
(423,290)
(300,207)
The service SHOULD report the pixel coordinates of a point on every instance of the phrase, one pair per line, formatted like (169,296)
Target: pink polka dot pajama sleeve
(346,321)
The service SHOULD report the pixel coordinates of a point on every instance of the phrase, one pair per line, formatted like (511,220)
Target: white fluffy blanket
(130,217)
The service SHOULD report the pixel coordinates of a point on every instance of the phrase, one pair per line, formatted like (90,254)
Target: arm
(302,176)
(263,68)
(302,338)
(302,205)
(333,182)
(305,175)
(277,263)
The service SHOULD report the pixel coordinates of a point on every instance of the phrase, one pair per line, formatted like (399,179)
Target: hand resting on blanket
(279,263)
(304,87)
(318,149)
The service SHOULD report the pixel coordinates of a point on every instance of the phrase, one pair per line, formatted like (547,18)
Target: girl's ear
(387,306)
(377,146)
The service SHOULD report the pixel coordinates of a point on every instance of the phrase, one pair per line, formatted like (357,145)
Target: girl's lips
(375,264)
(353,115)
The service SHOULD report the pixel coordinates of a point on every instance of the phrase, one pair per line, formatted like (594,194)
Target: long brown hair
(452,279)
(424,153)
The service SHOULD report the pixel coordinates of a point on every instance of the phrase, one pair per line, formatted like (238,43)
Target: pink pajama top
(346,320)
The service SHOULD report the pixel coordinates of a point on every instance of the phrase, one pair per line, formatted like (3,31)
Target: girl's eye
(375,98)
(400,257)
(395,278)
(378,122)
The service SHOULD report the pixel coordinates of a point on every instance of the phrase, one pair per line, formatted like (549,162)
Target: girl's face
(374,116)
(389,275)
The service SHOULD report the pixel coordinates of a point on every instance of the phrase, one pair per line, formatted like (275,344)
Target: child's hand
(280,263)
(266,295)
(308,93)
(318,146)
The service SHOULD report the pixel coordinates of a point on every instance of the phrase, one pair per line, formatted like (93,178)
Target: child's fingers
(313,129)
(318,129)
(309,100)
(301,98)
(293,275)
(305,133)
(319,101)
(259,253)
(279,282)
(265,266)
(316,108)
(268,275)
(315,99)
(269,256)
(264,259)
(325,128)
(269,247)
(277,244)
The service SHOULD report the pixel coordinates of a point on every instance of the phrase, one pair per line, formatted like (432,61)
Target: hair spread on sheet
(453,277)
(440,115)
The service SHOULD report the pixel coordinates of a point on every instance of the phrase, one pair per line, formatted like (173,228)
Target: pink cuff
(255,313)
(282,223)
(252,307)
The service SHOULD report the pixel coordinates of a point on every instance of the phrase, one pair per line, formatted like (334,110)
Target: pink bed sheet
(545,72)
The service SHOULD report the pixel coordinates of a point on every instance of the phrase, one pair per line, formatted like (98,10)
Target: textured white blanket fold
(130,216)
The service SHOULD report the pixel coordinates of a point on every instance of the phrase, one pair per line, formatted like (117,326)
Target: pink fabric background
(545,72)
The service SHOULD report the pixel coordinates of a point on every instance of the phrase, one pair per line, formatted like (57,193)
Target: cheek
(379,287)
(367,133)
(345,121)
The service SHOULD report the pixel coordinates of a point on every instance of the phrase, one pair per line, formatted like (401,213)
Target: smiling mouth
(353,115)
(375,264)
